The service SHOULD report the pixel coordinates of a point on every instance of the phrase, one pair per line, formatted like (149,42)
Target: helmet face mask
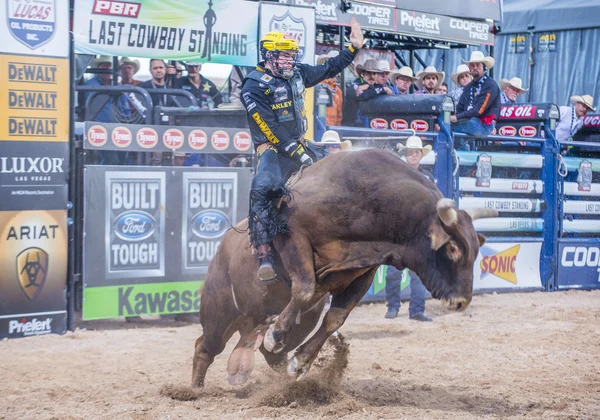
(280,53)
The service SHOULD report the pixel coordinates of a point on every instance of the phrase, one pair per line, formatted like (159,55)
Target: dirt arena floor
(508,355)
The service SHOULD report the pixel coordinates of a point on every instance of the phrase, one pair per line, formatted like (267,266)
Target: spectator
(127,68)
(332,142)
(442,89)
(104,62)
(366,77)
(333,114)
(381,77)
(203,89)
(479,105)
(378,86)
(461,78)
(414,152)
(511,89)
(158,71)
(571,118)
(402,80)
(428,80)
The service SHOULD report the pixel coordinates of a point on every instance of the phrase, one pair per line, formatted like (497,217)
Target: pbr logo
(419,125)
(32,22)
(379,123)
(121,137)
(499,264)
(97,135)
(209,211)
(135,224)
(242,141)
(147,137)
(399,124)
(220,140)
(292,28)
(197,139)
(32,268)
(527,131)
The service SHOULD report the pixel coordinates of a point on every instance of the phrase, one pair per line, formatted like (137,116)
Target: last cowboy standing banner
(34,151)
(215,31)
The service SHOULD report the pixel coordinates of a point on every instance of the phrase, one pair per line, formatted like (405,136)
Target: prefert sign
(116,8)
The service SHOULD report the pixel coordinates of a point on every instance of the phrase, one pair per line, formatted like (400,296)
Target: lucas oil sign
(135,240)
(209,211)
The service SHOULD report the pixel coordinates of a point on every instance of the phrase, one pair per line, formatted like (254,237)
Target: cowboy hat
(369,65)
(100,60)
(383,66)
(478,57)
(586,100)
(324,57)
(403,71)
(514,83)
(332,137)
(461,69)
(414,142)
(134,63)
(430,70)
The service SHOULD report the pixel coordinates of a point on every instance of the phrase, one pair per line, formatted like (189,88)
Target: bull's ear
(438,235)
(453,251)
(481,239)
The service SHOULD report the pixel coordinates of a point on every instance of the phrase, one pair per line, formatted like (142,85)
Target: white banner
(581,226)
(581,207)
(507,205)
(295,21)
(508,224)
(508,265)
(572,188)
(503,185)
(36,27)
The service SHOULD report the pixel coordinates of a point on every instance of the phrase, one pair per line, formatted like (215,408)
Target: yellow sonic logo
(501,264)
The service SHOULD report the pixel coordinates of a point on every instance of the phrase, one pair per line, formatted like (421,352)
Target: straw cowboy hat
(134,63)
(324,57)
(430,70)
(369,65)
(586,100)
(332,137)
(514,83)
(478,57)
(413,142)
(403,71)
(383,66)
(461,69)
(100,60)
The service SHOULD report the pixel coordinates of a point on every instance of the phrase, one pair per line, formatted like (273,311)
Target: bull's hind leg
(341,306)
(296,254)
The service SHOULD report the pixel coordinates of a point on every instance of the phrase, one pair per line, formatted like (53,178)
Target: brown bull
(347,215)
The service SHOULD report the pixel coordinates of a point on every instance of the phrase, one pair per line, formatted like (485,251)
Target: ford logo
(210,224)
(134,226)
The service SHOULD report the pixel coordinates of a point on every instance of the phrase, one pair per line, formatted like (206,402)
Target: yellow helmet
(276,41)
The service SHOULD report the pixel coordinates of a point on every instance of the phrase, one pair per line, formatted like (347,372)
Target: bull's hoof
(272,341)
(238,379)
(297,369)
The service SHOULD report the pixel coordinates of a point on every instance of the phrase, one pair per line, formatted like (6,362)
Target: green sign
(141,299)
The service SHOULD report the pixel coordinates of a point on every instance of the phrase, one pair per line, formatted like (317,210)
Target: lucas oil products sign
(151,232)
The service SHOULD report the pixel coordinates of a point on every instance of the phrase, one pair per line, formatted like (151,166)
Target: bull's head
(454,248)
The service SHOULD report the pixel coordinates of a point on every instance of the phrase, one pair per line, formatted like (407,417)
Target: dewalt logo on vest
(500,264)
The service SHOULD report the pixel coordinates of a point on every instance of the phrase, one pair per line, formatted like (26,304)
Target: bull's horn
(481,213)
(447,211)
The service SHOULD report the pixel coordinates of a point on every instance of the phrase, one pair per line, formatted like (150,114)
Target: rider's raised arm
(313,75)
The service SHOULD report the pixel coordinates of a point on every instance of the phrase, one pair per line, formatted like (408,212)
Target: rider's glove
(297,152)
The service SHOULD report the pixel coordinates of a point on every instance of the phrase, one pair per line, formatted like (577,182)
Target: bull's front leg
(341,306)
(296,254)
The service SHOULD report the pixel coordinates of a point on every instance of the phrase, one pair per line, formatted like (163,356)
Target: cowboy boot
(266,272)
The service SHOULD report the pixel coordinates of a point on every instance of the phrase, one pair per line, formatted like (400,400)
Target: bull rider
(273,97)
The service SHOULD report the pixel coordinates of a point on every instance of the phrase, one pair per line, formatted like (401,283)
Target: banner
(33,178)
(161,138)
(209,31)
(33,257)
(508,265)
(35,27)
(579,263)
(151,232)
(296,22)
